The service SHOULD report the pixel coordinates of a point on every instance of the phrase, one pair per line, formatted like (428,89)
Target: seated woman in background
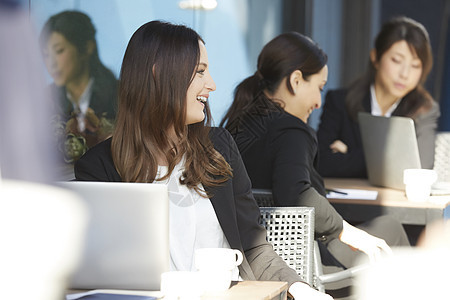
(83,91)
(392,86)
(268,120)
(162,136)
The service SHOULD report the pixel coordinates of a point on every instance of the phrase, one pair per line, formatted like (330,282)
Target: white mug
(215,266)
(418,183)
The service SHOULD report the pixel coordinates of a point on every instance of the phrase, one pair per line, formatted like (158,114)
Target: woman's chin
(195,120)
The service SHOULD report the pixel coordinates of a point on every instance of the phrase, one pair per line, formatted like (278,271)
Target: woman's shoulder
(97,164)
(336,96)
(219,135)
(99,152)
(289,126)
(338,103)
(435,109)
(272,122)
(433,113)
(286,120)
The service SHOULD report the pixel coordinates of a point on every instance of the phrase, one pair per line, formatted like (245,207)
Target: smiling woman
(393,86)
(198,92)
(163,136)
(268,120)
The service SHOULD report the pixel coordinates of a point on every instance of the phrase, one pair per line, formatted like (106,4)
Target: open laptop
(390,146)
(127,238)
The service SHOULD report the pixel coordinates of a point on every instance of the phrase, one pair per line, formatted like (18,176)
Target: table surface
(257,290)
(388,202)
(386,196)
(263,290)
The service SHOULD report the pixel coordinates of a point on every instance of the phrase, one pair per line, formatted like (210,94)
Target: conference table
(255,290)
(388,201)
(262,290)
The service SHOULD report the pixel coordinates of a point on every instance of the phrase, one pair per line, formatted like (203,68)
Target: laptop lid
(127,239)
(390,146)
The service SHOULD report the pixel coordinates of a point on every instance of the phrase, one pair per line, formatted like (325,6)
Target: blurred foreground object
(41,226)
(416,273)
(41,229)
(27,150)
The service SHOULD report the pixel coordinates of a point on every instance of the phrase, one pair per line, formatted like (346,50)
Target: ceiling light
(198,4)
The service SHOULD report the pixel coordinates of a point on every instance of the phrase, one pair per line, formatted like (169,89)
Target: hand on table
(300,290)
(361,240)
(338,147)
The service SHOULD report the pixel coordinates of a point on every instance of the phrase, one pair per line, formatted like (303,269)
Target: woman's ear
(373,58)
(296,79)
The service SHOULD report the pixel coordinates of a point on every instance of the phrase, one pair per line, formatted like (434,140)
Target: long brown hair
(157,69)
(278,59)
(395,30)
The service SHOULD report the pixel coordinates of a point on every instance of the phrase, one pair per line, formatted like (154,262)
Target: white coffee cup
(215,266)
(176,285)
(418,183)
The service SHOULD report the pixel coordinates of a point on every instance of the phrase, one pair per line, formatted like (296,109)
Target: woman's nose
(404,72)
(210,84)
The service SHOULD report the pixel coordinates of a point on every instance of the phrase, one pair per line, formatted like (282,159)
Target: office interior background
(236,30)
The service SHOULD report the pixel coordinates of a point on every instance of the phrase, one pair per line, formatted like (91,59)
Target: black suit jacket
(280,153)
(103,101)
(233,202)
(336,124)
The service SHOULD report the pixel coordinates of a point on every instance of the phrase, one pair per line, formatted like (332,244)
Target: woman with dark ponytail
(392,86)
(268,120)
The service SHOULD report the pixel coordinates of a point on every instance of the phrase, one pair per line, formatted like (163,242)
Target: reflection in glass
(83,89)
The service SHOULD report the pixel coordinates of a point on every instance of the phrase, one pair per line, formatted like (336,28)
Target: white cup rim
(227,264)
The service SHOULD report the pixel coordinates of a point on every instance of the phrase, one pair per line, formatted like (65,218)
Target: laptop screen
(127,241)
(390,146)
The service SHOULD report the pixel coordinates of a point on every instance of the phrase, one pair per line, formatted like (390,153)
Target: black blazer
(336,124)
(233,202)
(280,153)
(103,99)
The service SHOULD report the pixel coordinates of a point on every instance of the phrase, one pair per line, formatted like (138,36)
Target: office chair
(290,230)
(441,157)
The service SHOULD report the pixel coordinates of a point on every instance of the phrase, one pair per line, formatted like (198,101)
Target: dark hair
(278,59)
(157,69)
(395,30)
(78,29)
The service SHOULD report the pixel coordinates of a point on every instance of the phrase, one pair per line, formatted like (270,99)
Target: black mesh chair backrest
(263,197)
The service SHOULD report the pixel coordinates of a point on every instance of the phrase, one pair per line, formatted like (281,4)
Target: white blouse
(376,109)
(81,108)
(193,223)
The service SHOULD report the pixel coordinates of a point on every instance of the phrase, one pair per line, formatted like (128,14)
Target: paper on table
(352,194)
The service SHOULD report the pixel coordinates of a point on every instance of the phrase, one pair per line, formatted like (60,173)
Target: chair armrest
(348,273)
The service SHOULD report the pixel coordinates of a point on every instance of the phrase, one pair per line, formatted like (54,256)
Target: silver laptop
(127,239)
(390,146)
